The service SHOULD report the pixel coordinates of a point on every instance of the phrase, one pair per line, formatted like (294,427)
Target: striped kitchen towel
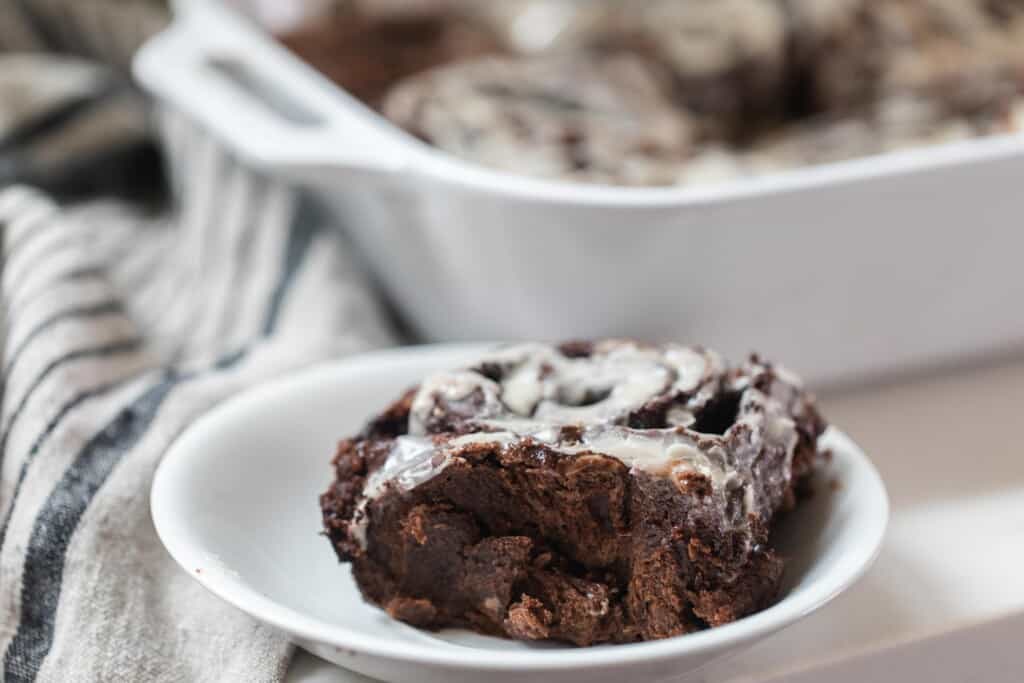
(119,331)
(104,30)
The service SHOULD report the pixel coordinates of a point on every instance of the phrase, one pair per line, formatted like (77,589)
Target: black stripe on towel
(54,422)
(40,226)
(50,120)
(59,517)
(39,24)
(56,523)
(104,351)
(24,299)
(102,308)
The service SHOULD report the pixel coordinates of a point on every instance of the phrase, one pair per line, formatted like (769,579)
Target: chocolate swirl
(668,411)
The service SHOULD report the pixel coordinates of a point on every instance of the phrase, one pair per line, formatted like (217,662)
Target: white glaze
(412,461)
(542,384)
(408,463)
(539,393)
(452,387)
(652,451)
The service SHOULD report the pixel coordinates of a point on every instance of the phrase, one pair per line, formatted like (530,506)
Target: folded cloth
(76,129)
(106,30)
(120,330)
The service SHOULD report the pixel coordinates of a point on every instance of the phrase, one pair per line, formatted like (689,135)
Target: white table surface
(945,600)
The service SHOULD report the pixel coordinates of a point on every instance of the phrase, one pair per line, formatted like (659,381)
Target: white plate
(235,502)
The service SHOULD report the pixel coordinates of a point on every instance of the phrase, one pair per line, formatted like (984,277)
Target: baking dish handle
(235,81)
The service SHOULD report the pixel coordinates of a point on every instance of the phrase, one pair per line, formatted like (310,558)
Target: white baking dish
(843,270)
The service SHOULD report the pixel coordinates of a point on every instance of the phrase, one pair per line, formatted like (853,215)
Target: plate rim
(230,588)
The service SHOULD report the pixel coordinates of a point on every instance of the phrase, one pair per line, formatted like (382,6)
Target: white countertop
(945,600)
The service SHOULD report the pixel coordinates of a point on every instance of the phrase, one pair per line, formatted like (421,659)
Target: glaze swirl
(671,411)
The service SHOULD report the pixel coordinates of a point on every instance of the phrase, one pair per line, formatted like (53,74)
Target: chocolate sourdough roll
(961,56)
(572,117)
(727,58)
(606,492)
